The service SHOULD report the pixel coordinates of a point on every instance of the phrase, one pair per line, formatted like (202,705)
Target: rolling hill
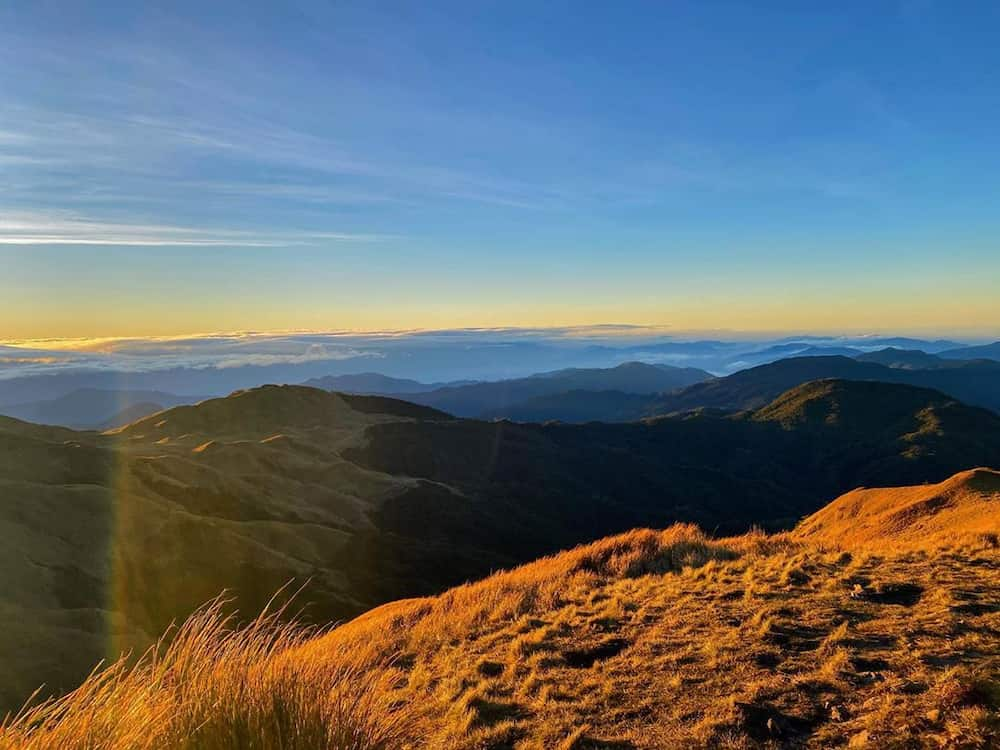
(650,640)
(109,537)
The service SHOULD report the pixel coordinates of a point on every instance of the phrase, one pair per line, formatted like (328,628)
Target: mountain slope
(673,640)
(107,538)
(965,504)
(128,415)
(521,490)
(574,406)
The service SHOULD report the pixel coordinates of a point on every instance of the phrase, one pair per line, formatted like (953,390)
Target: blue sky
(235,166)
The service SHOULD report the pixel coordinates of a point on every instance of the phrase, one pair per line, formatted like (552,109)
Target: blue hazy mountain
(986,351)
(976,382)
(94,408)
(376,383)
(492,398)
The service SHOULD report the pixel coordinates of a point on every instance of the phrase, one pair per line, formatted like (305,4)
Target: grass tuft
(215,686)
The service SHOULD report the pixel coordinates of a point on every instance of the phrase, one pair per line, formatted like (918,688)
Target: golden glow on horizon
(971,315)
(959,300)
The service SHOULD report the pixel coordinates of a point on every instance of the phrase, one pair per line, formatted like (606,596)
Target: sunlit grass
(650,639)
(213,686)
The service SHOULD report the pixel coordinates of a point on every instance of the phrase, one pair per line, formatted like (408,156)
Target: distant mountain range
(491,398)
(816,347)
(910,359)
(975,382)
(987,351)
(637,390)
(94,408)
(106,399)
(487,399)
(106,538)
(376,383)
(220,365)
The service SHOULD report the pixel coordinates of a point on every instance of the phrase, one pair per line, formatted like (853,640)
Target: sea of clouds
(482,353)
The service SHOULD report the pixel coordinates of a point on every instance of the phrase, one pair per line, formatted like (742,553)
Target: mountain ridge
(480,399)
(965,504)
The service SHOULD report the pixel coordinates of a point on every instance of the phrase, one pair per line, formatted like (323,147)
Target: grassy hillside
(108,538)
(651,639)
(963,505)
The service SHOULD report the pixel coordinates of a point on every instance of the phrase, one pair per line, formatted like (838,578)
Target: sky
(175,168)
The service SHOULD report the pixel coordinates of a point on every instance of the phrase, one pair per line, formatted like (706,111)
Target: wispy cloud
(59,229)
(293,191)
(10,137)
(158,153)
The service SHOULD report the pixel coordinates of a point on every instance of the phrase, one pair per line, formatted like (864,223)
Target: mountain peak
(852,404)
(268,409)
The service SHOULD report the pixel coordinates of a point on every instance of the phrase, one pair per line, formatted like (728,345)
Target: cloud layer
(428,354)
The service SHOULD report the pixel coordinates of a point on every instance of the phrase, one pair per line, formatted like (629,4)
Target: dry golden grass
(961,507)
(669,640)
(216,687)
(651,639)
